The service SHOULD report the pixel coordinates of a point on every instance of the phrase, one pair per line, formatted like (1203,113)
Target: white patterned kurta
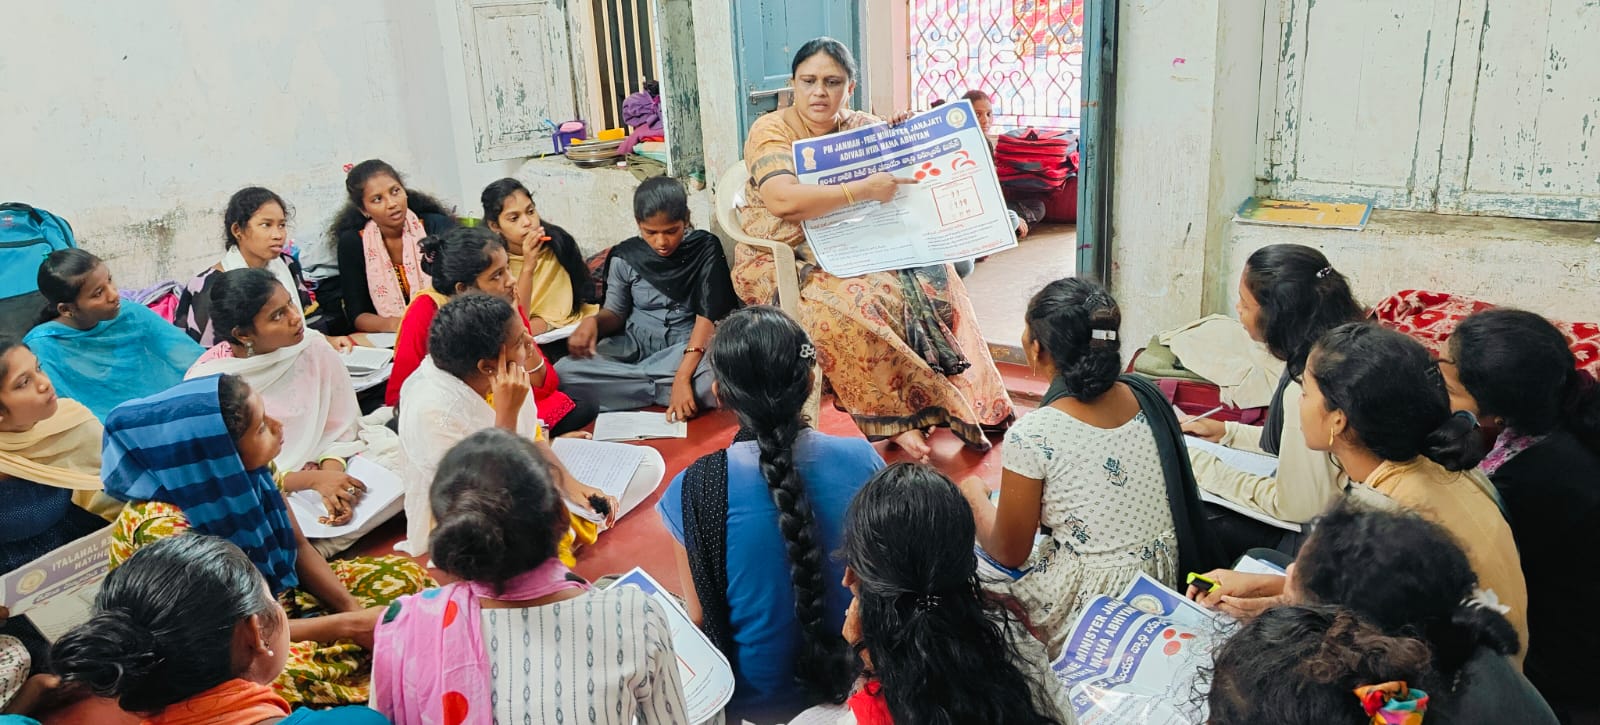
(605,658)
(1105,502)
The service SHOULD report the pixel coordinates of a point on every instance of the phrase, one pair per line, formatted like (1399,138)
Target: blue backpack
(27,235)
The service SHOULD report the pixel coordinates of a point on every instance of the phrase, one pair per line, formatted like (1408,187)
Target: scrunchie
(1392,703)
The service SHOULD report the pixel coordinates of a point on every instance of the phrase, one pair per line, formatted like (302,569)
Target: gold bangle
(849,198)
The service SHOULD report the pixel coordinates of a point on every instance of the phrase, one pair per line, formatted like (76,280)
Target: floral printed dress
(315,674)
(1105,505)
(896,362)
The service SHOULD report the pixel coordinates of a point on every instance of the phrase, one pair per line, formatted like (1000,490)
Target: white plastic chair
(729,195)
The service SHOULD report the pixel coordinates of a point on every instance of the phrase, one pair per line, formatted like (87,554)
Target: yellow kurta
(857,322)
(1463,506)
(551,299)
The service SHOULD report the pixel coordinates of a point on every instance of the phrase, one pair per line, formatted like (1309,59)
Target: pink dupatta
(388,299)
(429,664)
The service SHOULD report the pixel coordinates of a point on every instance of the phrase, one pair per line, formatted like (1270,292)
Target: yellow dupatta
(62,451)
(438,301)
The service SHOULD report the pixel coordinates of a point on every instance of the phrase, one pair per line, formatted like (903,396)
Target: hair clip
(808,352)
(1324,272)
(1103,334)
(1485,599)
(1392,703)
(348,167)
(926,602)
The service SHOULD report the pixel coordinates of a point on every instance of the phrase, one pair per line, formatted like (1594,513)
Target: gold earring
(1331,436)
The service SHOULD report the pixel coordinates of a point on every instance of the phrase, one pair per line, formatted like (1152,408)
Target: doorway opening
(1028,56)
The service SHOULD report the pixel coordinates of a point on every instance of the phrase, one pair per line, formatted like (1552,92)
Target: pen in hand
(1206,414)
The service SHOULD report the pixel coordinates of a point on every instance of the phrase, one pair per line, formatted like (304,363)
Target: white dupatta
(307,389)
(437,411)
(234,259)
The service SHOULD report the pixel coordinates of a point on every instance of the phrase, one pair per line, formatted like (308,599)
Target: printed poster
(707,676)
(56,591)
(1139,658)
(953,212)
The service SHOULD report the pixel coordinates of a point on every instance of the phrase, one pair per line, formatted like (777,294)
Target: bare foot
(914,443)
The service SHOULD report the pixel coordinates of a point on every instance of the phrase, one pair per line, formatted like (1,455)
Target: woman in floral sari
(199,457)
(901,349)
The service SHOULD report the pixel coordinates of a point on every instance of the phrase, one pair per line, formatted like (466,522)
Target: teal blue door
(766,34)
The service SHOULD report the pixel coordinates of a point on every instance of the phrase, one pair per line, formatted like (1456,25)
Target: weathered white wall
(719,85)
(1186,153)
(1165,213)
(595,205)
(433,49)
(141,119)
(1457,106)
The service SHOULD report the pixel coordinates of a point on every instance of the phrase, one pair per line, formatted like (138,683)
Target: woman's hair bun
(109,654)
(467,542)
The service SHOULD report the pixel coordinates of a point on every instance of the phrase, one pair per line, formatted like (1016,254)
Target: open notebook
(1256,463)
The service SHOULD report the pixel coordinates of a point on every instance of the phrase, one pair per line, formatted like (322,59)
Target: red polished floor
(640,540)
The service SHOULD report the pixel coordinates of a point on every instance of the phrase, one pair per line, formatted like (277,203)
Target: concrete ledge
(1549,267)
(595,205)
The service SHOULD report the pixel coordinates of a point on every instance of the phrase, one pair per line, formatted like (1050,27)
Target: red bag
(1196,397)
(1061,206)
(1033,160)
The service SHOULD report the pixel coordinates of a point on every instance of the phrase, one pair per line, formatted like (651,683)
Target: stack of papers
(368,366)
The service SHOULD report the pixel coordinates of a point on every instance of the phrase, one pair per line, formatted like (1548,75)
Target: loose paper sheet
(955,210)
(606,466)
(638,426)
(707,676)
(560,333)
(1253,463)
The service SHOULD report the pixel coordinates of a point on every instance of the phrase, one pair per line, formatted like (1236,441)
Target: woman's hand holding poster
(953,212)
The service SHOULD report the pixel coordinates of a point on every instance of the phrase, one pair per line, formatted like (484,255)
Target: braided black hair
(763,373)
